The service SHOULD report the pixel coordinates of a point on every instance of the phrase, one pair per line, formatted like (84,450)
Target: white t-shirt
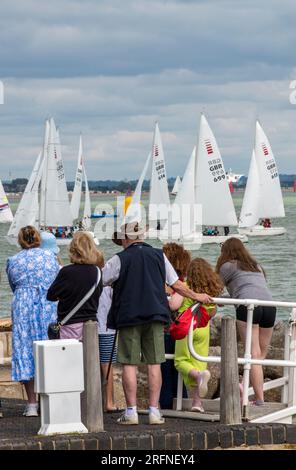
(103,310)
(111,271)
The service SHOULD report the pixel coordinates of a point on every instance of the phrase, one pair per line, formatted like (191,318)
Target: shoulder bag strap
(85,298)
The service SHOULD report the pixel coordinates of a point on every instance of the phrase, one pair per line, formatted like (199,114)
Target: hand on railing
(203,298)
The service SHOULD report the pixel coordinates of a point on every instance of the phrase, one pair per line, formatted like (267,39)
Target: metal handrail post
(285,388)
(292,371)
(247,356)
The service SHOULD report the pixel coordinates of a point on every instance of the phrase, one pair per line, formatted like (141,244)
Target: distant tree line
(18,185)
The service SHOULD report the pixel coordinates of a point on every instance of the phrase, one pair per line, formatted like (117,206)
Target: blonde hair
(83,250)
(29,237)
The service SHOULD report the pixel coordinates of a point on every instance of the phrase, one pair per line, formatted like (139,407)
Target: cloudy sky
(110,68)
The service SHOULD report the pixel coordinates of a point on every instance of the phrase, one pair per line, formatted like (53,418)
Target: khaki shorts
(141,344)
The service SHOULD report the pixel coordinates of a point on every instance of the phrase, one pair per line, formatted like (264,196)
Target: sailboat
(204,186)
(177,186)
(45,203)
(5,211)
(76,196)
(159,199)
(28,208)
(263,196)
(134,210)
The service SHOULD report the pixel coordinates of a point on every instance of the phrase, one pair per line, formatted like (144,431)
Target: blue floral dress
(30,273)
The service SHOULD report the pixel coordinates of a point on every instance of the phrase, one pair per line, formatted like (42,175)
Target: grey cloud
(111,68)
(72,38)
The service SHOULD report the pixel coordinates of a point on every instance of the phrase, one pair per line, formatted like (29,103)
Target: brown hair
(29,237)
(201,277)
(83,250)
(178,257)
(234,250)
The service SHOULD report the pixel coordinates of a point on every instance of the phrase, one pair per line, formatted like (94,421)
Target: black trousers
(169,377)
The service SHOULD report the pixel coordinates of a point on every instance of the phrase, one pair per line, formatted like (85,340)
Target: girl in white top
(106,341)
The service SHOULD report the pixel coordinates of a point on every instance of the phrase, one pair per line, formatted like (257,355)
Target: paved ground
(18,432)
(14,425)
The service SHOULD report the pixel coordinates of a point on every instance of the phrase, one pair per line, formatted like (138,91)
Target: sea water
(275,254)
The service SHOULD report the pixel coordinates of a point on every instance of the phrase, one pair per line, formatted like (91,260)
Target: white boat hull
(195,241)
(67,241)
(60,241)
(260,231)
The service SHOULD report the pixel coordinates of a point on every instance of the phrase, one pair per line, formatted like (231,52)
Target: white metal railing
(288,382)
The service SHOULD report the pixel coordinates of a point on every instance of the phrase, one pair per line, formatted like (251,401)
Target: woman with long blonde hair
(74,281)
(244,278)
(200,278)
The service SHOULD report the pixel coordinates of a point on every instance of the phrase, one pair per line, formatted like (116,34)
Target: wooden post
(91,398)
(230,408)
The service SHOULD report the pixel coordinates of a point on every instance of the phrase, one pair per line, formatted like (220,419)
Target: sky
(110,68)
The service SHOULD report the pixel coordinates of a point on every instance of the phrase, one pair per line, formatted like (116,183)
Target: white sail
(185,194)
(28,208)
(87,205)
(271,199)
(76,196)
(134,209)
(211,187)
(43,186)
(56,212)
(251,202)
(5,211)
(177,185)
(183,211)
(159,193)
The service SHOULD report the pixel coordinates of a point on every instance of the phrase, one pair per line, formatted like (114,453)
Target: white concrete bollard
(59,380)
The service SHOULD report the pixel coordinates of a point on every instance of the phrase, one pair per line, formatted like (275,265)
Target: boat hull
(195,241)
(60,241)
(260,231)
(107,216)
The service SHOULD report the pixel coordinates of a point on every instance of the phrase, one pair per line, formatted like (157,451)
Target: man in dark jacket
(139,311)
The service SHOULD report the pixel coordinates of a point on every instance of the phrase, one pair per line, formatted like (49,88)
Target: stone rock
(5,324)
(117,387)
(270,372)
(278,336)
(3,348)
(215,337)
(9,343)
(277,341)
(273,395)
(12,390)
(214,368)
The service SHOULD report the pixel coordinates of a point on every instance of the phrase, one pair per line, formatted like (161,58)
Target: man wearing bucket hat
(139,311)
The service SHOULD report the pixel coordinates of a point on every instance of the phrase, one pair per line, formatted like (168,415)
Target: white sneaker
(156,418)
(31,410)
(131,418)
(203,383)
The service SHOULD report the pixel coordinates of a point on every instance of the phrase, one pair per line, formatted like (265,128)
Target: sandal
(198,409)
(256,403)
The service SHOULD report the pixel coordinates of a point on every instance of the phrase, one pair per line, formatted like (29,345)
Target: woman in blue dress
(30,273)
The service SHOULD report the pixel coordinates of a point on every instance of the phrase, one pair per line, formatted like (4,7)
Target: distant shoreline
(15,197)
